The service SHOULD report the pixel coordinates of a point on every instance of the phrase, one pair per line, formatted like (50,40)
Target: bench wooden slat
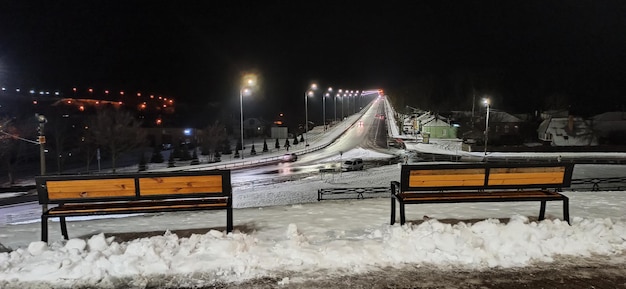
(408,197)
(447,177)
(85,210)
(180,185)
(526,176)
(446,180)
(90,189)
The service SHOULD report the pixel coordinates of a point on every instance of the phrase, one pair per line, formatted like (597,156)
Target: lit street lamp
(248,82)
(487,103)
(307,93)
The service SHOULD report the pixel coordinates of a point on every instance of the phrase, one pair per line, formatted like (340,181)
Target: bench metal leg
(402,218)
(566,210)
(393,210)
(229,219)
(44,228)
(542,211)
(63,228)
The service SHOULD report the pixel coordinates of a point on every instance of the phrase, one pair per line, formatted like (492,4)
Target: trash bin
(425,137)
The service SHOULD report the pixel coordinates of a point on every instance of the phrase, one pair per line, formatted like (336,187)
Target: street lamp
(487,103)
(248,82)
(307,93)
(330,89)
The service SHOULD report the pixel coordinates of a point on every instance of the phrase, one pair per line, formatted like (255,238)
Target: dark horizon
(527,56)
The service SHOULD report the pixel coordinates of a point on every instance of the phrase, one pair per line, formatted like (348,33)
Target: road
(368,132)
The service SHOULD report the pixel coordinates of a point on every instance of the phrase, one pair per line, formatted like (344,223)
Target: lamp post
(342,97)
(330,89)
(249,81)
(42,140)
(42,150)
(487,103)
(307,93)
(335,108)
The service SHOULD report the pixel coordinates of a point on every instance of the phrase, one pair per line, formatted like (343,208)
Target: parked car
(352,165)
(292,157)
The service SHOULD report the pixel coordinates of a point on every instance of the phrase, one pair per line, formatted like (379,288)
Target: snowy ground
(281,229)
(283,234)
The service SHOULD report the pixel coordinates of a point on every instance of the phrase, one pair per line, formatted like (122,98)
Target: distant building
(567,131)
(437,126)
(252,127)
(610,127)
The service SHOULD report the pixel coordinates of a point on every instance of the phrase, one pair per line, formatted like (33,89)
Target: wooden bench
(86,195)
(478,182)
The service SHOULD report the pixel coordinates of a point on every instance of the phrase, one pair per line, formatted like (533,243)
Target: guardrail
(358,193)
(616,183)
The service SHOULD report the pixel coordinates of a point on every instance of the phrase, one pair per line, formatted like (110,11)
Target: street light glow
(308,93)
(248,81)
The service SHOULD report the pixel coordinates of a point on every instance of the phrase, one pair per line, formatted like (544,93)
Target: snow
(281,230)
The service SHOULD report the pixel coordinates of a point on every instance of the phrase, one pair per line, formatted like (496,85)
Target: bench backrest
(132,187)
(433,177)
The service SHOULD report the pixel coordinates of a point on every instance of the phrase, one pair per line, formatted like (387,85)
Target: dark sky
(196,51)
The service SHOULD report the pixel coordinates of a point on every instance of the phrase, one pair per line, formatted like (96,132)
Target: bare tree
(15,144)
(116,131)
(212,138)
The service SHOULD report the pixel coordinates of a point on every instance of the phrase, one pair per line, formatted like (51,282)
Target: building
(567,131)
(437,126)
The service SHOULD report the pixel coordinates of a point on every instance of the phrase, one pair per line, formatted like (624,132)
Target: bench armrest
(395,187)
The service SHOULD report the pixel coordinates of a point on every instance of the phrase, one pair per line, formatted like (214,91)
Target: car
(355,164)
(292,157)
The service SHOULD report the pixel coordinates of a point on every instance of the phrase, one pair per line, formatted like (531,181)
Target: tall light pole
(42,140)
(342,97)
(307,93)
(42,150)
(487,103)
(330,89)
(248,81)
(335,109)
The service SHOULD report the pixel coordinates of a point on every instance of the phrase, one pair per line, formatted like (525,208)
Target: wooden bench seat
(477,182)
(77,195)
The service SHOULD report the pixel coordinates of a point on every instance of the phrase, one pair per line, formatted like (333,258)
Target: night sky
(196,51)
